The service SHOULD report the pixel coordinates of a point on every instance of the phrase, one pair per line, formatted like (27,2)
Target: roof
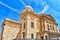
(27,7)
(48,16)
(12,20)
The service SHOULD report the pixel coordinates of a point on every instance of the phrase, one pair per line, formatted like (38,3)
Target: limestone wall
(11,30)
(34,19)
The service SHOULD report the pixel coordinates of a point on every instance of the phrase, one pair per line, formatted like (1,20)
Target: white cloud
(43,2)
(22,2)
(8,7)
(45,9)
(37,2)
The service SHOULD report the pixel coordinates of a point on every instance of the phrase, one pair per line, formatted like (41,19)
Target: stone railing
(36,39)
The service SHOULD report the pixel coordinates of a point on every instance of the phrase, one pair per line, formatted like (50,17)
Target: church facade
(32,25)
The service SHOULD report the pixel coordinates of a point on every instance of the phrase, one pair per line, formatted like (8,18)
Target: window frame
(32,24)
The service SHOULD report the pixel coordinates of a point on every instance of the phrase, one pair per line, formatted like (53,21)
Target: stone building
(32,25)
(10,29)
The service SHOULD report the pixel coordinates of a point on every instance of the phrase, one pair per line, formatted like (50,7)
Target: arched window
(48,27)
(42,38)
(23,34)
(46,38)
(32,25)
(52,27)
(32,36)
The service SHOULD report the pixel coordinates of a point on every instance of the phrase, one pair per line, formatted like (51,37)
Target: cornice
(12,21)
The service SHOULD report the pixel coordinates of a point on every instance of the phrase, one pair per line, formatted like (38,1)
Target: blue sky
(12,9)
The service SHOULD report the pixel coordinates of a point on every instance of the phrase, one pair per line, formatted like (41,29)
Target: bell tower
(24,19)
(29,22)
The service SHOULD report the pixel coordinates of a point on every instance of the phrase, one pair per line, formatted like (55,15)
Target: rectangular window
(32,25)
(24,25)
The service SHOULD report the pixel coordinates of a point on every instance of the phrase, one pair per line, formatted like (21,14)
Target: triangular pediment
(50,17)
